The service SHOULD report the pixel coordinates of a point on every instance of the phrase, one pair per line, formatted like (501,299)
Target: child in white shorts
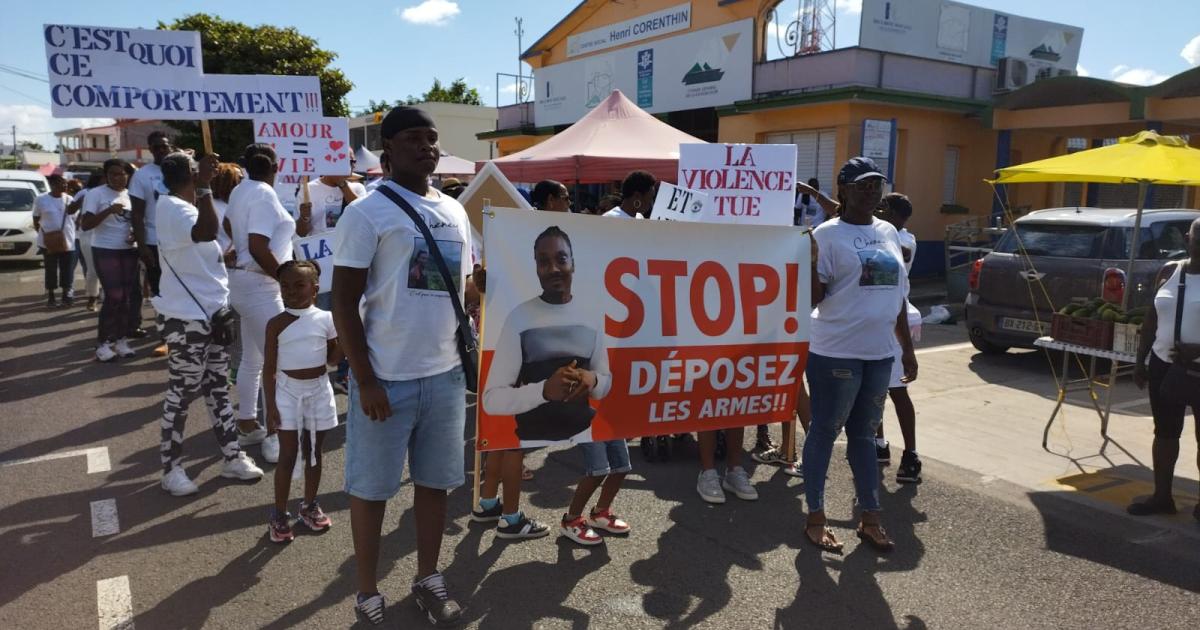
(300,343)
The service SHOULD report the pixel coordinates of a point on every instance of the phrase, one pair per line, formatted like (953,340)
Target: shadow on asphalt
(1145,547)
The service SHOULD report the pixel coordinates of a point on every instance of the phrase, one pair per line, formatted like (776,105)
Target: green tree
(457,92)
(230,47)
(32,146)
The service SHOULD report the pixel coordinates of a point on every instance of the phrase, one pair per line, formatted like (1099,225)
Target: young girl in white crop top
(300,343)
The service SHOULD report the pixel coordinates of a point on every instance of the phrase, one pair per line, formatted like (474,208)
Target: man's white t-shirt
(407,317)
(866,286)
(51,213)
(116,230)
(199,265)
(223,238)
(147,185)
(327,204)
(620,214)
(255,209)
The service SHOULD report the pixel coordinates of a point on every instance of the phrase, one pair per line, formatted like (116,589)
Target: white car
(18,239)
(30,177)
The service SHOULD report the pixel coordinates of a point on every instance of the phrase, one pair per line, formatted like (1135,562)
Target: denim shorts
(426,425)
(605,458)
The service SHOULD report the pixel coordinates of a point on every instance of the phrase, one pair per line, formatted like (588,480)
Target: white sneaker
(270,448)
(241,467)
(738,482)
(254,437)
(177,483)
(123,349)
(105,353)
(709,487)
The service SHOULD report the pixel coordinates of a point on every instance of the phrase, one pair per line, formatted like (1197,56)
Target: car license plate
(1024,325)
(7,247)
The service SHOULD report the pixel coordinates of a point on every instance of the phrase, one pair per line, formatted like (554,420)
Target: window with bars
(950,176)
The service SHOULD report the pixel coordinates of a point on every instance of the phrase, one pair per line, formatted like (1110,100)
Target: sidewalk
(987,413)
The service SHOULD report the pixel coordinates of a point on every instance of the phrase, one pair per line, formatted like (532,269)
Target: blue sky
(391,49)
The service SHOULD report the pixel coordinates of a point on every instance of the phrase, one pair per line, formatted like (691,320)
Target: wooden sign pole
(206,135)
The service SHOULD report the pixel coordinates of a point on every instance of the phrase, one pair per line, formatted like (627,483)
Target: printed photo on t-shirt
(423,270)
(879,268)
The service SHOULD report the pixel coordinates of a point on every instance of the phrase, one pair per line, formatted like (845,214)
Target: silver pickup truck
(1053,256)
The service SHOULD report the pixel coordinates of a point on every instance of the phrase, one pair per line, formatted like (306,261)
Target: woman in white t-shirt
(91,281)
(262,232)
(52,213)
(107,215)
(1159,345)
(858,291)
(192,290)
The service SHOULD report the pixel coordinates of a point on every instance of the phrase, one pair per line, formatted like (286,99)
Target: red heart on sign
(328,158)
(341,156)
(336,144)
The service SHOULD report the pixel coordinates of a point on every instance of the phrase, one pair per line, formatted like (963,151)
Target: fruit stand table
(1088,382)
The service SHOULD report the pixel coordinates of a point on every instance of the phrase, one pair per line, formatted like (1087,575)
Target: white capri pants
(305,405)
(256,299)
(91,281)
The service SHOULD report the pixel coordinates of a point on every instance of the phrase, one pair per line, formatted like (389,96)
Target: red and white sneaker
(609,522)
(577,529)
(314,518)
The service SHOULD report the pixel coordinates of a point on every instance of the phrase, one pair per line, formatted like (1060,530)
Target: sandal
(872,533)
(827,541)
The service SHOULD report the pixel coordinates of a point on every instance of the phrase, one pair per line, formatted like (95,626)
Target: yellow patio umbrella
(1143,159)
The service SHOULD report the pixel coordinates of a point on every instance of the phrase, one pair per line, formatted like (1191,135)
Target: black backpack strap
(1179,305)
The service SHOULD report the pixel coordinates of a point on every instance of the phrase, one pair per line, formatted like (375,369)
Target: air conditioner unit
(1013,73)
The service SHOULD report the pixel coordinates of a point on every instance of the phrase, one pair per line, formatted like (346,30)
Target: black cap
(859,168)
(404,117)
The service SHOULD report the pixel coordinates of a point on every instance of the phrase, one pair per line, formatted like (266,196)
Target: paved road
(972,552)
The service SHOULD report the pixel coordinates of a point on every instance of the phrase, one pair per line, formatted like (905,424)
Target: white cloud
(1191,52)
(853,7)
(34,123)
(1081,71)
(432,12)
(1137,76)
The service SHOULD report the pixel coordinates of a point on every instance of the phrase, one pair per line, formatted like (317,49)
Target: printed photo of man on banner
(601,330)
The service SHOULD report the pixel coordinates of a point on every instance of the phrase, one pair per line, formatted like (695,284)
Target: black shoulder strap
(162,255)
(1179,303)
(464,324)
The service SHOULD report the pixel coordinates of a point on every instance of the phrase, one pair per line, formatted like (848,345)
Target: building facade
(956,107)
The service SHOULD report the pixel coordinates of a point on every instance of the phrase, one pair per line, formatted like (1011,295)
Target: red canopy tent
(616,137)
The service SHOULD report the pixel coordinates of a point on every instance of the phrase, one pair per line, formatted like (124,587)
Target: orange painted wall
(921,147)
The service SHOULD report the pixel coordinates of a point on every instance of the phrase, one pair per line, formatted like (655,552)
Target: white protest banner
(319,249)
(748,183)
(307,146)
(139,73)
(78,54)
(211,97)
(683,326)
(673,203)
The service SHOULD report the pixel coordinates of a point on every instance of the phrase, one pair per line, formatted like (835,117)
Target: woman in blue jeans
(858,294)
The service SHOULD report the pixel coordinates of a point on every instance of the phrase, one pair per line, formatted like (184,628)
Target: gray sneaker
(738,482)
(709,487)
(434,600)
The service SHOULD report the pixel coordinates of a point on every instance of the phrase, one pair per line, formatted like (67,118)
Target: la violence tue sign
(746,183)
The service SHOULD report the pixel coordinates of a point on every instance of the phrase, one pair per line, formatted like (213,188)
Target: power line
(28,96)
(24,74)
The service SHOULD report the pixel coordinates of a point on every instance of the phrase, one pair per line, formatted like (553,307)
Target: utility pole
(520,32)
(14,144)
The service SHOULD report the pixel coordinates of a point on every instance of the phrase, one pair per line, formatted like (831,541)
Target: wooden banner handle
(206,135)
(304,189)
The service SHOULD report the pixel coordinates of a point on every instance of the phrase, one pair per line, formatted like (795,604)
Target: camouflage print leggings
(195,367)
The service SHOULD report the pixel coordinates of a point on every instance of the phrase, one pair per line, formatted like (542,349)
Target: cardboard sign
(138,73)
(673,203)
(682,327)
(319,249)
(747,183)
(489,186)
(307,146)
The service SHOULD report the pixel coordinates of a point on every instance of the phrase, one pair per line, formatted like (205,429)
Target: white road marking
(97,459)
(104,518)
(950,348)
(1131,403)
(114,604)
